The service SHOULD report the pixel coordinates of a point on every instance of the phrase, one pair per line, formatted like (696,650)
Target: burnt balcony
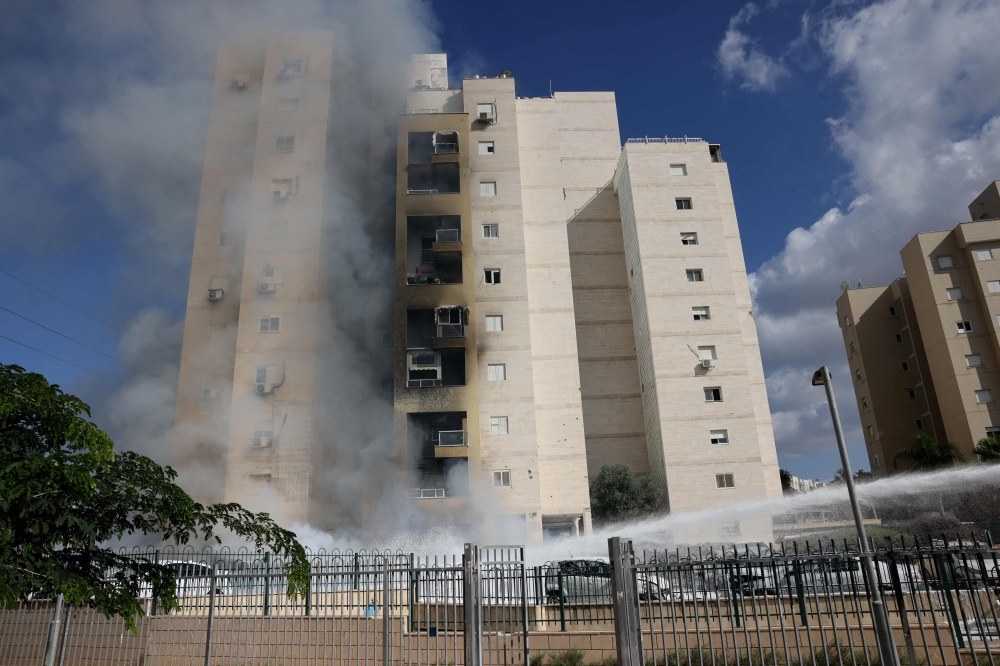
(434,249)
(437,455)
(432,163)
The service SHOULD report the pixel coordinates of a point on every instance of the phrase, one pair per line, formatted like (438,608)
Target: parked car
(589,580)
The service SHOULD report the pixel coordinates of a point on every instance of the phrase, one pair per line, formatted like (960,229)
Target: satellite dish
(845,285)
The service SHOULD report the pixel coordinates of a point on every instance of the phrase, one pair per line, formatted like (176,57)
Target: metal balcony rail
(452,438)
(423,383)
(666,139)
(426,493)
(422,191)
(450,331)
(445,148)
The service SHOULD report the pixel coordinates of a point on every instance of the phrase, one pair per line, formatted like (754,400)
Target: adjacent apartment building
(559,302)
(923,351)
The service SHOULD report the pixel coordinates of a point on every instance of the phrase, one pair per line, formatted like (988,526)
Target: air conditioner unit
(708,363)
(216,294)
(266,286)
(285,73)
(280,197)
(210,393)
(239,84)
(261,442)
(263,388)
(485,116)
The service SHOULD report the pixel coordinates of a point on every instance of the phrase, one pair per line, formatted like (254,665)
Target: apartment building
(556,302)
(923,351)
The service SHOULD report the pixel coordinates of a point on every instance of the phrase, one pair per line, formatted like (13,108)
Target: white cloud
(739,58)
(922,136)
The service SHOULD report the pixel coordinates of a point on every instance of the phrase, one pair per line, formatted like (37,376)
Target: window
(689,238)
(892,312)
(284,144)
(292,66)
(964,326)
(494,323)
(488,189)
(847,321)
(984,255)
(713,394)
(876,460)
(906,366)
(944,261)
(225,239)
(491,231)
(993,286)
(701,313)
(857,373)
(954,294)
(899,338)
(683,204)
(484,111)
(920,424)
(491,275)
(498,425)
(993,432)
(695,275)
(496,372)
(864,402)
(260,479)
(983,397)
(288,104)
(277,229)
(501,478)
(724,481)
(853,348)
(871,432)
(678,170)
(270,324)
(719,436)
(707,352)
(912,394)
(485,147)
(973,361)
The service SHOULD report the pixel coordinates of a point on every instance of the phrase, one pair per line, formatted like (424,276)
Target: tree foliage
(616,495)
(988,450)
(861,476)
(65,492)
(786,482)
(927,453)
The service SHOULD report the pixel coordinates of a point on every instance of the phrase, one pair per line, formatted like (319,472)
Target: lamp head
(818,379)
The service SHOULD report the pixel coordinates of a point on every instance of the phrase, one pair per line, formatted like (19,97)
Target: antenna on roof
(550,92)
(860,286)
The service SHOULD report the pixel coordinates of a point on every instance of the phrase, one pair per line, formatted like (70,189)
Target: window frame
(953,293)
(979,360)
(491,231)
(499,425)
(947,262)
(498,478)
(494,319)
(713,394)
(284,143)
(984,393)
(964,326)
(491,276)
(988,252)
(694,274)
(688,236)
(678,170)
(699,317)
(496,372)
(487,148)
(725,481)
(271,319)
(684,203)
(718,440)
(484,188)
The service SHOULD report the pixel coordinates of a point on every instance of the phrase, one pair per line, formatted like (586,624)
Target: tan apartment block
(541,326)
(923,351)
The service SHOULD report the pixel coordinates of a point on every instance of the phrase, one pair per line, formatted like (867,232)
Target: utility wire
(58,333)
(115,328)
(61,359)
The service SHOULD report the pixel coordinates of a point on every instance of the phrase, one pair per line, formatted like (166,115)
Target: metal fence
(760,606)
(764,606)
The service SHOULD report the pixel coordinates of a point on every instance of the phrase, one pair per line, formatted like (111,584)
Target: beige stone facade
(541,324)
(924,350)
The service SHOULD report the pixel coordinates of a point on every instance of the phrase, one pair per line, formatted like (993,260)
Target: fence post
(267,583)
(562,601)
(52,641)
(473,629)
(897,589)
(625,602)
(524,606)
(211,617)
(385,612)
(152,611)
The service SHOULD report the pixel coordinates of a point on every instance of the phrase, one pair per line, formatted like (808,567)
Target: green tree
(861,476)
(617,495)
(988,450)
(65,493)
(927,453)
(786,482)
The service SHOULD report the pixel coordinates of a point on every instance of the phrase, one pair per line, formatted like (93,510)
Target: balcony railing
(426,493)
(423,383)
(447,235)
(666,139)
(445,148)
(450,331)
(452,438)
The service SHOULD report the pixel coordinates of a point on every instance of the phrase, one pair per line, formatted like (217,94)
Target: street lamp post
(886,645)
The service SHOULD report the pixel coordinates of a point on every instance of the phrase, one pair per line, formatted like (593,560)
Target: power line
(60,359)
(58,333)
(63,302)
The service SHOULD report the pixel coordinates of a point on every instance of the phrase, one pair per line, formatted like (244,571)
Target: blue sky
(847,127)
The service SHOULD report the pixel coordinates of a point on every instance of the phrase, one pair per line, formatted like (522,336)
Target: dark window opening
(433,249)
(438,178)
